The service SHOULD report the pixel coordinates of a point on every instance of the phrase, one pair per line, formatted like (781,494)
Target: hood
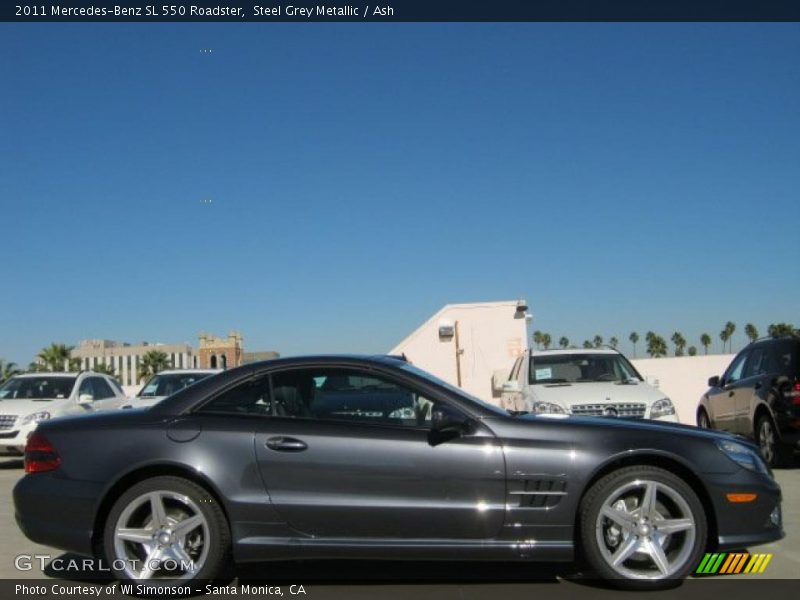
(596,392)
(24,407)
(645,425)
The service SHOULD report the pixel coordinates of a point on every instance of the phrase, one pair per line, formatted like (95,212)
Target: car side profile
(758,396)
(370,457)
(27,400)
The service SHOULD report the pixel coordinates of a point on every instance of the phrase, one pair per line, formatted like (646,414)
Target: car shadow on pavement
(14,463)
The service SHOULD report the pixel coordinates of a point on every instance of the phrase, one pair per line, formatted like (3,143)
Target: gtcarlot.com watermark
(28,562)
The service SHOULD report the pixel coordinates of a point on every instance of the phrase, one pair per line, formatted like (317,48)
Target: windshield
(166,385)
(37,388)
(580,368)
(452,388)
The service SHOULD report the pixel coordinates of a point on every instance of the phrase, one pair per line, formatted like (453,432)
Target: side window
(758,363)
(248,398)
(101,389)
(86,387)
(785,358)
(734,372)
(348,395)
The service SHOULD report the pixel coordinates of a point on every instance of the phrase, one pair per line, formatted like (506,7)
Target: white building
(125,358)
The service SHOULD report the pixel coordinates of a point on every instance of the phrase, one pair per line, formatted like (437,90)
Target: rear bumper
(57,512)
(740,525)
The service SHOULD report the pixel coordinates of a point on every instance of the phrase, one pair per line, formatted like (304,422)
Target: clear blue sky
(619,177)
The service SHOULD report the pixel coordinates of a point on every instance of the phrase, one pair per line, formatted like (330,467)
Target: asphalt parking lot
(465,581)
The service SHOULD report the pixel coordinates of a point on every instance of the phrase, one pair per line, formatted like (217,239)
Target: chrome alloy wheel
(645,530)
(161,534)
(766,440)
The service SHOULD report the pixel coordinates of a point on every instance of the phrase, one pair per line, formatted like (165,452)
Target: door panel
(361,480)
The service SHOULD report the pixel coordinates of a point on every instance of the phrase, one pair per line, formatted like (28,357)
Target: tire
(703,422)
(769,442)
(627,549)
(191,540)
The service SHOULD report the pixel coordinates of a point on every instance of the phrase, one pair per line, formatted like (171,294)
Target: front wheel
(642,528)
(166,529)
(703,422)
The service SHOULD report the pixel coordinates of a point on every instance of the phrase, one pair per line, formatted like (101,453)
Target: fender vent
(540,493)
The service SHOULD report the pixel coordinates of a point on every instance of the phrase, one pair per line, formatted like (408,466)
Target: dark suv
(758,396)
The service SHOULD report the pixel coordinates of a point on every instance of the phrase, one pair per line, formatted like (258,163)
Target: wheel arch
(142,473)
(653,459)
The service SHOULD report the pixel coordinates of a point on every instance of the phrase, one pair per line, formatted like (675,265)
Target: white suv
(27,399)
(583,382)
(166,383)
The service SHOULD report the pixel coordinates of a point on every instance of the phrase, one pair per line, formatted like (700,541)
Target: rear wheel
(166,529)
(642,528)
(769,442)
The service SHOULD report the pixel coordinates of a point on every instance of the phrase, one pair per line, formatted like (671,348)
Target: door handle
(286,444)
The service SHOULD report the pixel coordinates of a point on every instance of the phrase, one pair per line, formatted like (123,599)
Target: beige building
(125,358)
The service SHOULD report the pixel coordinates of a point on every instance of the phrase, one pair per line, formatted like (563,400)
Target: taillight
(794,394)
(40,455)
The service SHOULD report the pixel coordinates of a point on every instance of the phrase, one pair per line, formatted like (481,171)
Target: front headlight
(662,408)
(35,418)
(743,456)
(547,408)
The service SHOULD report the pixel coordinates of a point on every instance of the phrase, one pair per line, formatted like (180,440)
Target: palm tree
(692,351)
(56,357)
(781,330)
(656,345)
(751,332)
(8,370)
(613,342)
(537,338)
(587,344)
(730,327)
(546,340)
(724,335)
(598,341)
(705,339)
(152,362)
(680,343)
(563,342)
(104,368)
(634,337)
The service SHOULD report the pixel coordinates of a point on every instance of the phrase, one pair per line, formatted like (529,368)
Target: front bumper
(58,512)
(740,525)
(12,443)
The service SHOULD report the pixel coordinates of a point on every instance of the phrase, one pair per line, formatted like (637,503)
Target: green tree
(680,343)
(692,351)
(751,332)
(730,327)
(634,337)
(8,370)
(57,358)
(781,330)
(656,345)
(563,342)
(613,342)
(546,340)
(705,340)
(587,344)
(724,335)
(537,338)
(104,368)
(153,362)
(598,341)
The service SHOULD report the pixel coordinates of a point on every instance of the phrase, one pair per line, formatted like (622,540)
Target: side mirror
(85,399)
(446,424)
(714,381)
(512,386)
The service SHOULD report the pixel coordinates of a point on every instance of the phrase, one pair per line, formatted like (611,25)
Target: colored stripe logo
(725,563)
